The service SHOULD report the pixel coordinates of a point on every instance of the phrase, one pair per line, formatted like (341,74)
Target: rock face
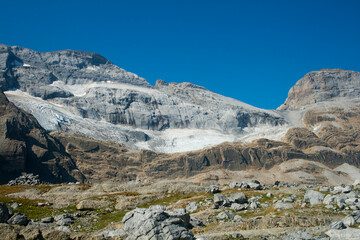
(27,147)
(73,87)
(321,86)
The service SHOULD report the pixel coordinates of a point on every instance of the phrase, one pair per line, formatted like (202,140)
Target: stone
(192,206)
(238,218)
(337,225)
(238,198)
(254,184)
(15,206)
(349,221)
(313,197)
(254,205)
(238,207)
(195,222)
(235,185)
(281,205)
(225,215)
(111,233)
(212,189)
(18,219)
(155,223)
(324,189)
(329,199)
(348,234)
(4,213)
(221,200)
(47,220)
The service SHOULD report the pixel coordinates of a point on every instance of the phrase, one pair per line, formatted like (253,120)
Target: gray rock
(344,234)
(65,222)
(238,207)
(349,221)
(221,200)
(254,205)
(281,205)
(337,225)
(18,219)
(238,218)
(313,197)
(15,206)
(225,215)
(4,213)
(238,198)
(324,189)
(155,224)
(109,233)
(329,199)
(212,189)
(63,216)
(192,206)
(25,179)
(235,185)
(195,222)
(63,229)
(254,184)
(47,220)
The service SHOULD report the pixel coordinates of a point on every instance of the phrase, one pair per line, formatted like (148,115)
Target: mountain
(327,85)
(84,93)
(76,116)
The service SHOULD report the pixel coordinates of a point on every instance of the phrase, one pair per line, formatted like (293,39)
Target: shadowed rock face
(26,147)
(324,85)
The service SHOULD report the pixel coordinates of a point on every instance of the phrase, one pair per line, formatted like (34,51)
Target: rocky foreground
(180,210)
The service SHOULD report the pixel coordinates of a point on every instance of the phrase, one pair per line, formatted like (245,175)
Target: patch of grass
(107,218)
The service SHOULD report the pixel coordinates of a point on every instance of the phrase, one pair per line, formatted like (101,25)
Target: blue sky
(253,51)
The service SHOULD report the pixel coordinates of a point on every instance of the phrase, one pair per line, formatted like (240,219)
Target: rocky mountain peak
(321,86)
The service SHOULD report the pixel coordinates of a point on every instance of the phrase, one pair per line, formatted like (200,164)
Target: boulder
(221,200)
(313,197)
(340,234)
(238,198)
(225,215)
(337,225)
(212,189)
(4,213)
(156,223)
(195,222)
(18,219)
(238,207)
(281,205)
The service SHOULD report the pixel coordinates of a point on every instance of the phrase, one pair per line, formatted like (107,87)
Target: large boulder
(19,219)
(157,223)
(313,197)
(4,213)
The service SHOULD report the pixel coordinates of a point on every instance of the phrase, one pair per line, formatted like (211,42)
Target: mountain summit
(84,93)
(322,86)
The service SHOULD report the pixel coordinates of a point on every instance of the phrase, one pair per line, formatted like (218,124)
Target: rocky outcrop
(27,147)
(321,86)
(157,223)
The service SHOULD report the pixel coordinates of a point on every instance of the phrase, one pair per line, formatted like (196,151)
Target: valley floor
(246,210)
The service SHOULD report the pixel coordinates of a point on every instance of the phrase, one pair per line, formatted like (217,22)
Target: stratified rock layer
(321,86)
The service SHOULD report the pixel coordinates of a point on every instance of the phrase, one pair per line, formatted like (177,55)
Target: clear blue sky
(253,51)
